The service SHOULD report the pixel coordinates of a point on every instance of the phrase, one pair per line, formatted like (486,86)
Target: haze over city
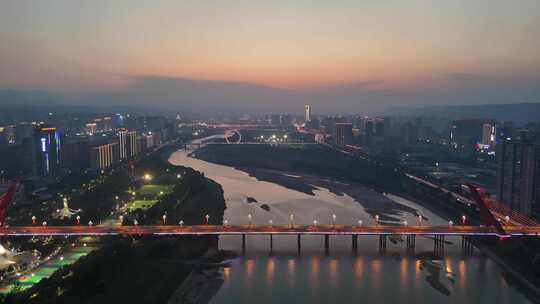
(257,55)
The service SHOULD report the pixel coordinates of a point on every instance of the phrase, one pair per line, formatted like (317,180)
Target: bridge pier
(243,244)
(298,241)
(382,243)
(411,241)
(466,245)
(271,245)
(326,244)
(355,244)
(438,248)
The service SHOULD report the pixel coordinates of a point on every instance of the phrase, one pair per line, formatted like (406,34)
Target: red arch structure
(486,216)
(5,199)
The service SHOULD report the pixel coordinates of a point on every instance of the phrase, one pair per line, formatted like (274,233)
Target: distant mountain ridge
(520,113)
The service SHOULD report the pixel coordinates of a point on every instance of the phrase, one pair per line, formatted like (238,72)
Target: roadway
(265,230)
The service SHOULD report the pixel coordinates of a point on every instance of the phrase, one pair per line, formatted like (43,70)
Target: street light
(207,218)
(334,220)
(44,224)
(450,223)
(33,219)
(164,218)
(377,219)
(507,219)
(225,222)
(147,177)
(181,223)
(360,223)
(121,218)
(249,219)
(78,218)
(271,223)
(420,220)
(405,223)
(90,223)
(135,222)
(463,219)
(314,223)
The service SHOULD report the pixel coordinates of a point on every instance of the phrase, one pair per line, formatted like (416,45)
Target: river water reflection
(394,275)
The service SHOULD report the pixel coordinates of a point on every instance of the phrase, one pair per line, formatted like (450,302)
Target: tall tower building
(45,151)
(122,140)
(343,133)
(131,144)
(518,176)
(308,113)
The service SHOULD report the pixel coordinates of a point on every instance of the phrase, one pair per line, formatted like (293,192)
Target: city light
(147,177)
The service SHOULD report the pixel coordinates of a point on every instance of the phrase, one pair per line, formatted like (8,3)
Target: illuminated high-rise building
(307,113)
(122,140)
(518,176)
(132,145)
(45,151)
(104,155)
(343,133)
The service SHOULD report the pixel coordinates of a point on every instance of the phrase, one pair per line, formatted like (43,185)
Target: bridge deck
(264,230)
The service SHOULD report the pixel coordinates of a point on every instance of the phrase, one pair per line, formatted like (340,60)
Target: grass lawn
(141,204)
(154,189)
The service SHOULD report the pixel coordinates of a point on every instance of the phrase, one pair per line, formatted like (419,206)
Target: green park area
(141,204)
(154,190)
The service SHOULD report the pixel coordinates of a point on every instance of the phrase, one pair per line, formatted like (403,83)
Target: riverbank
(145,269)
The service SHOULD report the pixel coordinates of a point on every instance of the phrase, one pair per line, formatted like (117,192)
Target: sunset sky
(104,45)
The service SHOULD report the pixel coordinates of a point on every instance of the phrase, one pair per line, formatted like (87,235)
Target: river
(396,275)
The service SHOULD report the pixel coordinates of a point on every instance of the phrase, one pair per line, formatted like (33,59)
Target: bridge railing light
(44,223)
(450,223)
(360,222)
(181,223)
